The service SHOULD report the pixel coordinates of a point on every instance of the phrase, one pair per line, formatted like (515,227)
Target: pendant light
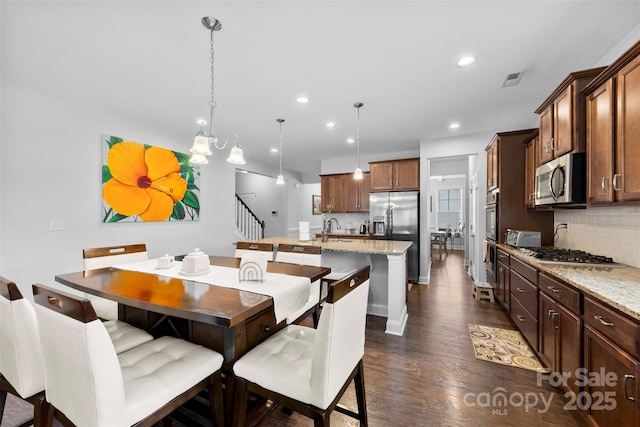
(358,173)
(202,142)
(280,179)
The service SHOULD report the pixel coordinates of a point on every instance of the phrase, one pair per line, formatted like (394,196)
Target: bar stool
(483,291)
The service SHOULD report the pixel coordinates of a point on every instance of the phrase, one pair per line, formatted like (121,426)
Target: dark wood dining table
(224,319)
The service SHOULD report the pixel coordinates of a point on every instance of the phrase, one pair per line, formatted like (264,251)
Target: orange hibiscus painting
(148,183)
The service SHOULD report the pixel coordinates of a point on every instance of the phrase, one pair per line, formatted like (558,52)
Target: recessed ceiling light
(454,125)
(466,61)
(274,151)
(330,125)
(351,140)
(302,100)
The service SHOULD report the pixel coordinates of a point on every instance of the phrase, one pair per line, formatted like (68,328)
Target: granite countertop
(346,244)
(617,286)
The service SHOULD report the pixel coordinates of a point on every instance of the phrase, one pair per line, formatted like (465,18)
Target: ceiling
(149,61)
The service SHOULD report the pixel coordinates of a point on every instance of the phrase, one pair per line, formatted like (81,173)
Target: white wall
(468,145)
(50,169)
(270,197)
(300,208)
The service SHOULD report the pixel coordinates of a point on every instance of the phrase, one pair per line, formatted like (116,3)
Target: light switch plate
(56,224)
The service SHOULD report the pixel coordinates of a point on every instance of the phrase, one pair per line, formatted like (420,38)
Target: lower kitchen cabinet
(523,282)
(503,293)
(613,398)
(560,340)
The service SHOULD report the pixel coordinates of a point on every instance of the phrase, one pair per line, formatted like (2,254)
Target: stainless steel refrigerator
(396,216)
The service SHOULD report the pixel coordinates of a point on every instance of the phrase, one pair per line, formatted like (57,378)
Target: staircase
(247,223)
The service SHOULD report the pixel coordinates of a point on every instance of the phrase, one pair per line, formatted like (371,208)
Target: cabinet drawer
(525,270)
(617,327)
(261,327)
(503,257)
(525,292)
(527,324)
(564,294)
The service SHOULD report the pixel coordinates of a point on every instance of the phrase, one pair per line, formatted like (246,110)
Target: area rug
(503,346)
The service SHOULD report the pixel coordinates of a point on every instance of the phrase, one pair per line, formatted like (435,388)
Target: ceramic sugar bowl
(196,262)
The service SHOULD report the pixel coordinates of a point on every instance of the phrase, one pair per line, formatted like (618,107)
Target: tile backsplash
(609,231)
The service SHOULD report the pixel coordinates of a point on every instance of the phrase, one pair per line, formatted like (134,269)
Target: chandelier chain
(212,102)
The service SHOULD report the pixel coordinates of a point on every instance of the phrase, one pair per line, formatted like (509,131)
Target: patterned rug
(503,346)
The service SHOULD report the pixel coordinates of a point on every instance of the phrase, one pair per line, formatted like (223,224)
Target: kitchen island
(388,278)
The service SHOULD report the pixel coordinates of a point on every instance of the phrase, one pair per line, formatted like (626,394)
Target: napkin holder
(195,262)
(253,267)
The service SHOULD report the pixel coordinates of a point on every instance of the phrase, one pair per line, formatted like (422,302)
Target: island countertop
(346,244)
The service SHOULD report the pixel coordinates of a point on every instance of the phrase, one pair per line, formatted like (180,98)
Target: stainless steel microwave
(562,181)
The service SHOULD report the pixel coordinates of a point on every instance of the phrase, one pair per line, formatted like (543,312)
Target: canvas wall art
(143,182)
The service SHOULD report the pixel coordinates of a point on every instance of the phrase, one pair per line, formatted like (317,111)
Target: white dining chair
(88,384)
(21,364)
(308,370)
(123,335)
(251,247)
(306,255)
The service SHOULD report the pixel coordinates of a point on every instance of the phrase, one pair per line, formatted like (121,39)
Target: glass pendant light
(280,179)
(358,172)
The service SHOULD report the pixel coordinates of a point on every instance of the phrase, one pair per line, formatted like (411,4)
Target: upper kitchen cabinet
(530,164)
(332,193)
(509,166)
(395,175)
(562,117)
(613,132)
(357,193)
(492,165)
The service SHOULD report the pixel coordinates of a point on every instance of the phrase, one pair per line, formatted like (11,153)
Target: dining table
(226,318)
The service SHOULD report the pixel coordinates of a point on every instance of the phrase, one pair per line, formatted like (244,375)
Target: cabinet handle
(520,318)
(552,289)
(615,182)
(553,144)
(266,328)
(501,270)
(625,379)
(605,189)
(601,320)
(549,315)
(520,289)
(554,320)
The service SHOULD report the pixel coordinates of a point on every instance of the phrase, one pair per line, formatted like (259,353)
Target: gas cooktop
(568,257)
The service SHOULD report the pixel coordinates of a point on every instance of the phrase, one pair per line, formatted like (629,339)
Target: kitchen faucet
(327,224)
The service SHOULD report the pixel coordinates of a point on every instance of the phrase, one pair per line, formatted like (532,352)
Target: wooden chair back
(244,247)
(299,254)
(112,255)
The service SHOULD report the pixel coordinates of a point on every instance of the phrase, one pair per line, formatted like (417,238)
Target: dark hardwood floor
(422,378)
(430,377)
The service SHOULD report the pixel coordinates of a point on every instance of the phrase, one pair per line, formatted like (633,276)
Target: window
(449,208)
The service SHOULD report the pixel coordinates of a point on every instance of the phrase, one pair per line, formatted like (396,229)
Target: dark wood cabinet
(332,193)
(493,162)
(562,117)
(395,175)
(503,292)
(530,165)
(613,129)
(616,399)
(523,281)
(357,193)
(560,334)
(508,150)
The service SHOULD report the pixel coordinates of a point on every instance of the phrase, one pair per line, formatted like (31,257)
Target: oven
(491,236)
(491,216)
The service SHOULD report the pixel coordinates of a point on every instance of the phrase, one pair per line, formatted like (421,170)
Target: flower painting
(146,183)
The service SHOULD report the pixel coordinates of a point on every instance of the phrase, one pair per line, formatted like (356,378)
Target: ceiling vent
(512,79)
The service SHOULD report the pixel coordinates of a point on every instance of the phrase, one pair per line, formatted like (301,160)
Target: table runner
(289,293)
